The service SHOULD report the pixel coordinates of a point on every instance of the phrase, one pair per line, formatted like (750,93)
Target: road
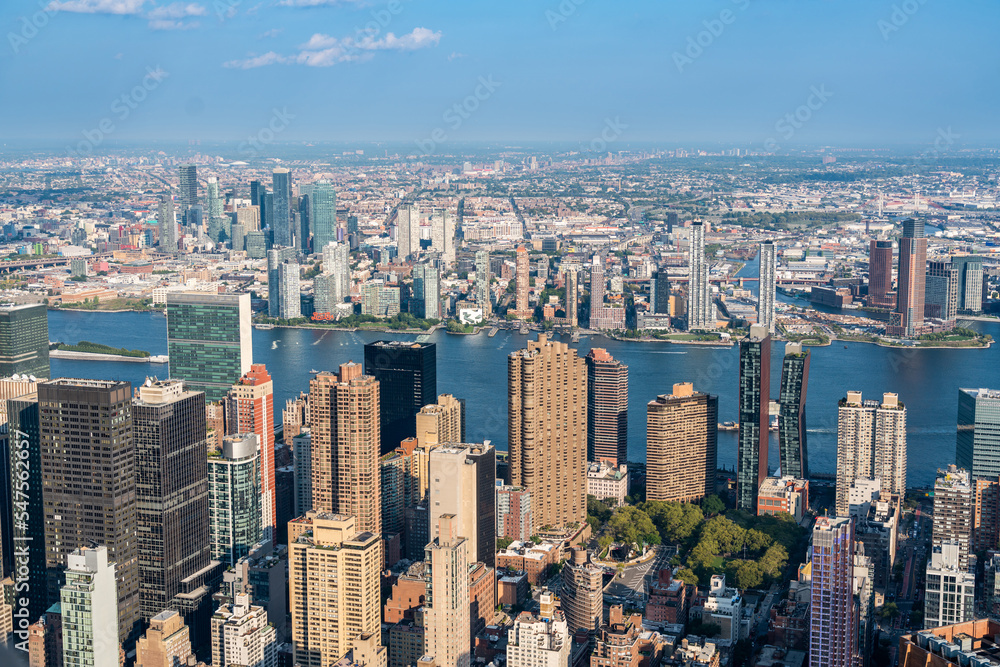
(631,583)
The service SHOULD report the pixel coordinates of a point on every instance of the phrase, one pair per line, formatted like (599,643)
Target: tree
(889,611)
(712,505)
(687,575)
(630,525)
(675,521)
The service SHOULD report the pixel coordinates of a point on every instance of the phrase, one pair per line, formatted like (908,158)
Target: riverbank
(93,356)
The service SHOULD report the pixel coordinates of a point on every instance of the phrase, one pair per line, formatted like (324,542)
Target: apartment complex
(681,445)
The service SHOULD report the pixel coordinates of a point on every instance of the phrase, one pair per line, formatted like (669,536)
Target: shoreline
(70,355)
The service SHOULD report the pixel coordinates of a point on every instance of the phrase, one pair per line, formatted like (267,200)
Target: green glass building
(209,340)
(234,498)
(977,447)
(24,341)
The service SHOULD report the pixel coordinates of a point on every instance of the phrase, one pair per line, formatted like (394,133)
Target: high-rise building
(682,445)
(241,635)
(167,220)
(832,624)
(754,401)
(188,186)
(89,614)
(234,498)
(24,340)
(89,482)
(941,290)
(25,516)
(407,375)
(700,308)
(209,340)
(871,442)
(441,422)
(337,264)
(276,257)
(950,589)
(538,641)
(251,410)
(407,230)
(597,283)
(607,408)
(443,235)
(659,293)
(324,552)
(908,318)
(427,290)
(281,220)
(214,206)
(522,269)
(302,465)
(302,215)
(970,287)
(167,642)
(977,447)
(446,611)
(171,490)
(624,642)
(792,412)
(344,439)
(323,201)
(880,275)
(572,296)
(484,277)
(546,429)
(582,592)
(462,484)
(954,509)
(288,286)
(513,512)
(768,275)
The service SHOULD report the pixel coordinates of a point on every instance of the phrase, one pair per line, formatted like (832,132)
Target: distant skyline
(758,74)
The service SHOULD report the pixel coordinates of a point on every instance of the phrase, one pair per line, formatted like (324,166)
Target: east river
(475,368)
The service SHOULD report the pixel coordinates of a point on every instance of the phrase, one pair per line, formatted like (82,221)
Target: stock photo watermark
(265,136)
(795,120)
(29,27)
(900,16)
(456,115)
(562,12)
(613,129)
(20,499)
(121,108)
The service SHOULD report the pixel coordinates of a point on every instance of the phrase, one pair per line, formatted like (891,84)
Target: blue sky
(854,72)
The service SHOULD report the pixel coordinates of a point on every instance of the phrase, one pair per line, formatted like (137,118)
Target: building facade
(607,408)
(768,272)
(977,448)
(407,377)
(682,432)
(792,448)
(871,442)
(24,341)
(832,624)
(754,402)
(90,623)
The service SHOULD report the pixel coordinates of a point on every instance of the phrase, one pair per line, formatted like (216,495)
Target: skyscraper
(700,309)
(871,442)
(954,508)
(607,408)
(483,279)
(462,484)
(659,293)
(880,275)
(446,615)
(168,225)
(323,201)
(546,429)
(597,283)
(441,422)
(950,589)
(214,206)
(572,296)
(407,230)
(768,275)
(682,445)
(754,401)
(171,490)
(24,340)
(539,641)
(582,592)
(89,482)
(281,220)
(333,285)
(302,214)
(941,290)
(167,642)
(977,448)
(251,401)
(89,614)
(427,290)
(792,412)
(443,235)
(908,318)
(288,286)
(188,186)
(522,269)
(209,340)
(407,375)
(241,635)
(970,287)
(344,439)
(26,512)
(832,625)
(325,551)
(234,506)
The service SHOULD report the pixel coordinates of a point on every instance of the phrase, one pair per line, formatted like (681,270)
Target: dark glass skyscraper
(189,186)
(754,399)
(407,375)
(89,482)
(659,293)
(24,341)
(281,223)
(880,274)
(908,318)
(607,408)
(28,526)
(305,224)
(171,489)
(977,448)
(792,414)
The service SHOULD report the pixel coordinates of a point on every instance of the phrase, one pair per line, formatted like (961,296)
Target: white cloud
(455,55)
(273,32)
(171,24)
(317,3)
(324,50)
(177,10)
(98,6)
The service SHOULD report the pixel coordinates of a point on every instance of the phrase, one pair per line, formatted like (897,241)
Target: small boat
(314,371)
(845,347)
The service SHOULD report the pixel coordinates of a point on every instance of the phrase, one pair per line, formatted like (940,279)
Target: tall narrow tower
(522,269)
(251,402)
(572,296)
(832,628)
(767,275)
(909,316)
(699,295)
(754,401)
(792,412)
(483,279)
(446,619)
(607,408)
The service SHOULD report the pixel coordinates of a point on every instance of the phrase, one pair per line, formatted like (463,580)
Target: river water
(475,368)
